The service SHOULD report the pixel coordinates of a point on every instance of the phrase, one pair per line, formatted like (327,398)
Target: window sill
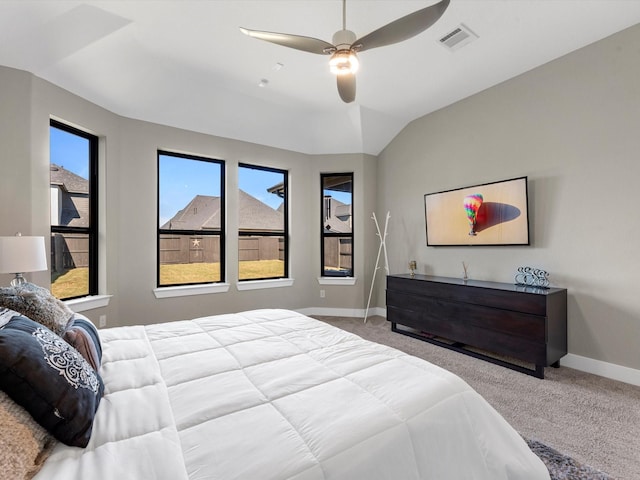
(337,280)
(260,284)
(187,290)
(88,303)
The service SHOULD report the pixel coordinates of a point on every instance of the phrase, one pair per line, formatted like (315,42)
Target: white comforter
(272,394)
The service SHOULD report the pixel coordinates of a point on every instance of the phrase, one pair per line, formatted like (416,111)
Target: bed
(273,394)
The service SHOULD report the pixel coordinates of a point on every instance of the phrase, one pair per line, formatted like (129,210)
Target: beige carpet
(592,419)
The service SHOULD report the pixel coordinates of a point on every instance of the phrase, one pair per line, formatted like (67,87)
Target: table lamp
(20,254)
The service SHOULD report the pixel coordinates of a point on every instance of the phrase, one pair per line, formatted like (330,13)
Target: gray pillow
(38,304)
(82,335)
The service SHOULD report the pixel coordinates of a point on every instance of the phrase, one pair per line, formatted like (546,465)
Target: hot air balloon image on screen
(497,214)
(471,206)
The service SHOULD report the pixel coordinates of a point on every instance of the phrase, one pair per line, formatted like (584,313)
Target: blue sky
(70,151)
(343,197)
(256,182)
(181,179)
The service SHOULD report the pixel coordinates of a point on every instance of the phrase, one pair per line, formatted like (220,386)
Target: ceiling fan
(344,61)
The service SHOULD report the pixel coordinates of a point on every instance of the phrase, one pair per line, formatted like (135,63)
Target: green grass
(72,283)
(261,269)
(179,273)
(75,282)
(176,274)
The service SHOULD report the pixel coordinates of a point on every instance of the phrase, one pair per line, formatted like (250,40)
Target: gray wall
(128,204)
(572,127)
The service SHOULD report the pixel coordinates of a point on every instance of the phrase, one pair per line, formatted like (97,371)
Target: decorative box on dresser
(505,322)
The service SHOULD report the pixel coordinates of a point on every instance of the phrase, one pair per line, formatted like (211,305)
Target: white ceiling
(186,64)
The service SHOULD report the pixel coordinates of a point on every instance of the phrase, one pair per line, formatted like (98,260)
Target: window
(337,224)
(74,211)
(191,220)
(262,221)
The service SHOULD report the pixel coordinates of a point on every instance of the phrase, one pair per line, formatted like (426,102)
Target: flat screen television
(493,213)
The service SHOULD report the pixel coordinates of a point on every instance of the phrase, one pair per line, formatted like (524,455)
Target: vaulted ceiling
(186,64)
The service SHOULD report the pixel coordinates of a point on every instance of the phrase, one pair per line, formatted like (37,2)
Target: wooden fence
(69,251)
(72,250)
(338,253)
(196,249)
(189,249)
(260,248)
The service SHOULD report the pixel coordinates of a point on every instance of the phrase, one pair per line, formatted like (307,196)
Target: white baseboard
(603,369)
(584,364)
(343,312)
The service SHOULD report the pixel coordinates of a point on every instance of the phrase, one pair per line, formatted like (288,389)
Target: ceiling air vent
(458,38)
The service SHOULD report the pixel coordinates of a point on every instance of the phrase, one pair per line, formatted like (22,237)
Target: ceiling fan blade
(402,28)
(299,42)
(347,87)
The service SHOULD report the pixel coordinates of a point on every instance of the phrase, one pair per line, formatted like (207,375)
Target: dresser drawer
(440,311)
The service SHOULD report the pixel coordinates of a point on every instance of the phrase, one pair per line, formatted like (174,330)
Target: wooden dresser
(506,322)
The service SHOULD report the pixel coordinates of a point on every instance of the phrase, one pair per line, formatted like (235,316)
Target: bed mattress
(272,394)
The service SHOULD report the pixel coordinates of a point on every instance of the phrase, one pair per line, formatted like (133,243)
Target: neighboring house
(337,224)
(69,198)
(336,216)
(69,208)
(338,251)
(255,216)
(203,213)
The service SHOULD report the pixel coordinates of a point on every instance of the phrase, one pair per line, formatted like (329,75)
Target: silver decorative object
(533,277)
(412,267)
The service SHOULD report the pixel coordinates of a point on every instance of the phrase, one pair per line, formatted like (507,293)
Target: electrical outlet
(103,321)
(322,294)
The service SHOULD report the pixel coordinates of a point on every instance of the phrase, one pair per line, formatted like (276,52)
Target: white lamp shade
(22,254)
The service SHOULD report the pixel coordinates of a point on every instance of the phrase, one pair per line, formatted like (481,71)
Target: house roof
(67,180)
(338,183)
(256,215)
(203,212)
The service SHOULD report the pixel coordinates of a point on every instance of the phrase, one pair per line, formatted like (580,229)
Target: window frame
(284,234)
(324,235)
(220,233)
(93,229)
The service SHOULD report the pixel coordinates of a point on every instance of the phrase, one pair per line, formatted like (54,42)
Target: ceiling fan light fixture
(344,62)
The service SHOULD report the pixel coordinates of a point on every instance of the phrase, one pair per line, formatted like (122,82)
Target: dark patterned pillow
(82,335)
(6,314)
(38,304)
(50,379)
